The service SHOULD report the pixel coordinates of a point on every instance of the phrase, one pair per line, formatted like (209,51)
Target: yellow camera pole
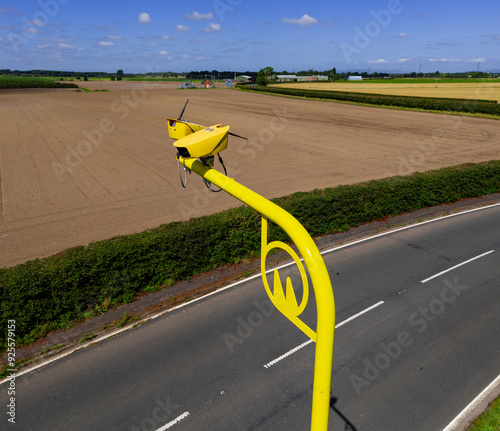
(287,302)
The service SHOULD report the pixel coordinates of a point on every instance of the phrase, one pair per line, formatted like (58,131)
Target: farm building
(228,83)
(207,83)
(243,78)
(355,78)
(187,84)
(301,78)
(284,78)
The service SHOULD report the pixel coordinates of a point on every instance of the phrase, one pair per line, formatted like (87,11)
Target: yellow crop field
(489,91)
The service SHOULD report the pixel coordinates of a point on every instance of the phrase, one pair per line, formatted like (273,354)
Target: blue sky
(150,36)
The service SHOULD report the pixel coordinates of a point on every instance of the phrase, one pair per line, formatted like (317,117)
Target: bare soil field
(488,91)
(80,167)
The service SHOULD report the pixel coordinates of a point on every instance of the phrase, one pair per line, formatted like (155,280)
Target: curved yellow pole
(320,279)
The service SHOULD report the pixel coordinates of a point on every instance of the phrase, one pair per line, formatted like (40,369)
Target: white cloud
(207,40)
(401,36)
(114,37)
(477,60)
(182,28)
(166,37)
(38,23)
(493,36)
(212,28)
(380,60)
(444,59)
(66,46)
(202,58)
(58,39)
(103,43)
(163,53)
(402,60)
(144,18)
(199,16)
(304,20)
(328,41)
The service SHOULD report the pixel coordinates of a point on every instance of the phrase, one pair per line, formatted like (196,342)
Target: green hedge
(9,82)
(490,107)
(54,292)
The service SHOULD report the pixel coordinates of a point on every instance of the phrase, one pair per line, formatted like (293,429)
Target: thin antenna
(183,109)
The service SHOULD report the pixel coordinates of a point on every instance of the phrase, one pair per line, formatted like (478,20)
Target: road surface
(421,344)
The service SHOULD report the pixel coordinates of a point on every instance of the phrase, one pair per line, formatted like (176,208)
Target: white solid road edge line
(389,232)
(295,349)
(452,426)
(174,422)
(161,313)
(72,350)
(456,266)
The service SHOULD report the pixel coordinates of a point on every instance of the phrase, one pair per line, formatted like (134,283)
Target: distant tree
(119,74)
(86,77)
(112,77)
(436,73)
(266,76)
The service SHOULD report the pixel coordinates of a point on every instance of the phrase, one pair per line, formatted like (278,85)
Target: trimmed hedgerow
(54,292)
(9,82)
(490,107)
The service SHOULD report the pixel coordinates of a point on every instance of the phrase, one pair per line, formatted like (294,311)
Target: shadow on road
(348,425)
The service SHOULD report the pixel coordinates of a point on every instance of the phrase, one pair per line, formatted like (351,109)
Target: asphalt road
(413,361)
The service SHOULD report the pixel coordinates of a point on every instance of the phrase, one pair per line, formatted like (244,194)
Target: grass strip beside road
(79,283)
(489,420)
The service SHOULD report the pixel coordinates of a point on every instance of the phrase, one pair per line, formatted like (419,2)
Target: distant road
(422,343)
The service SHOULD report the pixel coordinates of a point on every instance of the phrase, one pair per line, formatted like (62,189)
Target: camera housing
(178,129)
(205,142)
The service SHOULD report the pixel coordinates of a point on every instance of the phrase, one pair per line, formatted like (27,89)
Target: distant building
(355,78)
(207,83)
(187,84)
(243,78)
(301,78)
(285,78)
(228,83)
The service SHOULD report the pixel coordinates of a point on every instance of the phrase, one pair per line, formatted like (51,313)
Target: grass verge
(489,419)
(56,292)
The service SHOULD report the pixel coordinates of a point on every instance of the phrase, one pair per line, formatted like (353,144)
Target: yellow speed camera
(203,143)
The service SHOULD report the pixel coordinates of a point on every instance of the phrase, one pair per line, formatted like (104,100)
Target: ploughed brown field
(79,167)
